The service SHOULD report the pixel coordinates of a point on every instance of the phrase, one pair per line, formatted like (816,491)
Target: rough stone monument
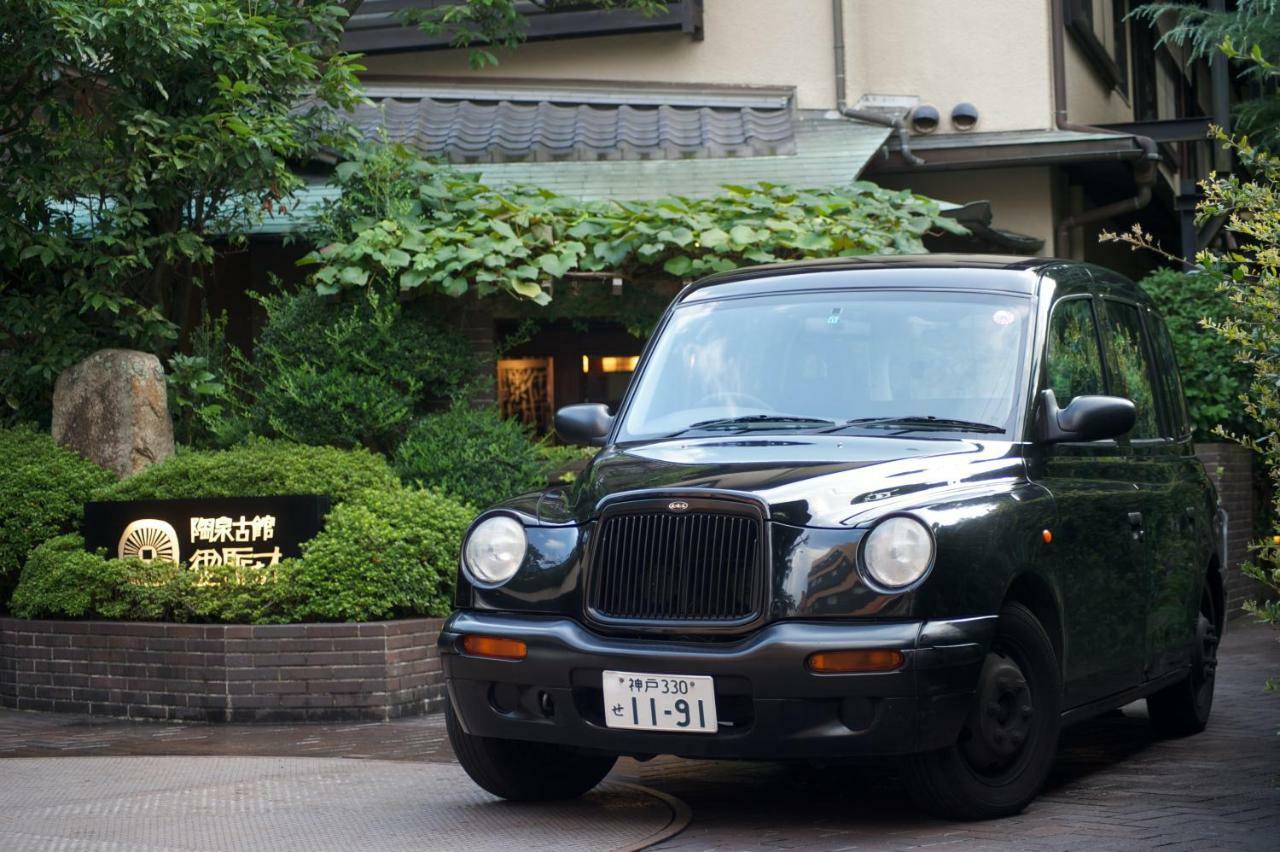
(112,408)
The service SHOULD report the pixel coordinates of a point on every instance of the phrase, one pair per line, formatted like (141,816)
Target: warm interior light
(845,662)
(619,363)
(494,646)
(586,364)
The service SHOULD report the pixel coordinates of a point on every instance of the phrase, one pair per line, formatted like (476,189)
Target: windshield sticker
(1003,317)
(834,318)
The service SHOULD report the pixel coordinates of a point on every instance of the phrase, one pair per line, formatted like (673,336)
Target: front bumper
(769,704)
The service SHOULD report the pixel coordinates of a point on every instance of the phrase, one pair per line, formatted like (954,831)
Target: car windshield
(890,360)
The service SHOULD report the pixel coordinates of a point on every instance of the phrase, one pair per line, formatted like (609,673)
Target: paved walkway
(1115,786)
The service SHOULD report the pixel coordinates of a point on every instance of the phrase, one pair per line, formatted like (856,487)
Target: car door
(1170,480)
(1098,562)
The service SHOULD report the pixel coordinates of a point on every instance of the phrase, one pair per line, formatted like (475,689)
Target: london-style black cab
(933,507)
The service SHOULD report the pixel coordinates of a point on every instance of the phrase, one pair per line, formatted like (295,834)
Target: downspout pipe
(1144,172)
(842,91)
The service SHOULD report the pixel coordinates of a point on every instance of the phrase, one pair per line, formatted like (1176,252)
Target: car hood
(807,480)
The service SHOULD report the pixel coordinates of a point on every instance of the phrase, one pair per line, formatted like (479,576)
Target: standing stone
(113,408)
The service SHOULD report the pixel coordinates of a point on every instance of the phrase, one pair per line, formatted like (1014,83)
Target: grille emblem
(677,505)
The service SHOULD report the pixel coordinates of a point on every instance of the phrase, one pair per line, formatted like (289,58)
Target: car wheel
(1183,708)
(524,771)
(1006,748)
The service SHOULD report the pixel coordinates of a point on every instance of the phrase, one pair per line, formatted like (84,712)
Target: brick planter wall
(222,673)
(1231,467)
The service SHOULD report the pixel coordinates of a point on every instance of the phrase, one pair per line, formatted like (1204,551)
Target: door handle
(1135,524)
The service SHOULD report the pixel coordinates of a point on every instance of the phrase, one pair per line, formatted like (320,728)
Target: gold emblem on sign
(149,539)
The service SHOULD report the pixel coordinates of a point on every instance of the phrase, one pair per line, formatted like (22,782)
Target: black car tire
(1182,709)
(524,771)
(1007,746)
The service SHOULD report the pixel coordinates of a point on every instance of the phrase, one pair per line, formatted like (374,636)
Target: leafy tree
(1249,32)
(133,134)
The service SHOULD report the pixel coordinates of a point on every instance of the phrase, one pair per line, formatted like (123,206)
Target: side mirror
(1087,418)
(585,424)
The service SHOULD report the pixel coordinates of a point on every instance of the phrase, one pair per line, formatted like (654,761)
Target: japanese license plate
(658,702)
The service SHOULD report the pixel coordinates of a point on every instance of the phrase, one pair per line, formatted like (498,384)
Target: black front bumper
(769,704)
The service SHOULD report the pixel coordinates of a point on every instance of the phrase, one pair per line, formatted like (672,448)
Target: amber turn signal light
(847,662)
(495,647)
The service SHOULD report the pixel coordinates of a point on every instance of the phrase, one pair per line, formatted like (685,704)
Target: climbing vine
(419,227)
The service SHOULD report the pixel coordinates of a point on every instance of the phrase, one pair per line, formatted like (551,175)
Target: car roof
(947,271)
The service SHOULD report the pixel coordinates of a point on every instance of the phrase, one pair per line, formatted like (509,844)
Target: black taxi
(932,507)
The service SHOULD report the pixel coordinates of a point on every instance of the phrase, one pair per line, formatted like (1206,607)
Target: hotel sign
(248,532)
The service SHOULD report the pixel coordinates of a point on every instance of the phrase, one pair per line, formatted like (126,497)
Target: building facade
(1040,122)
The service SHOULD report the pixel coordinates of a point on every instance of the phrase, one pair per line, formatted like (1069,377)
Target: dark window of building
(1099,27)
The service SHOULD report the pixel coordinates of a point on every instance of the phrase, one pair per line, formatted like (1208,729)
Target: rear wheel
(1006,747)
(523,771)
(1183,708)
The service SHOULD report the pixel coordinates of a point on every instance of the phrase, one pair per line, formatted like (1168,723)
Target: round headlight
(494,550)
(898,552)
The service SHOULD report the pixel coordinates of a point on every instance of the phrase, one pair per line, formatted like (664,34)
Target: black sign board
(250,532)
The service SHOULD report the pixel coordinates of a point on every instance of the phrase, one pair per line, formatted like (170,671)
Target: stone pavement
(1115,786)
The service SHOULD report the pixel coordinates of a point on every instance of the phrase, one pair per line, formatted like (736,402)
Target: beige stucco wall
(1022,199)
(1089,99)
(748,42)
(992,53)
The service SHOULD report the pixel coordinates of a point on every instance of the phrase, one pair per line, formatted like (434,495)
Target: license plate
(658,702)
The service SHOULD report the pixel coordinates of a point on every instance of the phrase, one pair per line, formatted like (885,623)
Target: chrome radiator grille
(670,567)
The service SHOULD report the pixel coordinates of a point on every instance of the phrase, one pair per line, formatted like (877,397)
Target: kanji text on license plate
(660,702)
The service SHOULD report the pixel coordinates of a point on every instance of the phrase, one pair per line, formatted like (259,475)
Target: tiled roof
(468,130)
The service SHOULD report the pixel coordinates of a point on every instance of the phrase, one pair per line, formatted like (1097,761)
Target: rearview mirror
(1086,418)
(585,424)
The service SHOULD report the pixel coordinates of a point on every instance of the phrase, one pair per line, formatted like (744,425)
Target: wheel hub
(1000,722)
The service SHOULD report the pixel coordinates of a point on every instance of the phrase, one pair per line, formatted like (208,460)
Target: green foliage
(473,454)
(1249,276)
(381,555)
(42,493)
(354,372)
(1249,32)
(1212,378)
(258,468)
(133,134)
(437,230)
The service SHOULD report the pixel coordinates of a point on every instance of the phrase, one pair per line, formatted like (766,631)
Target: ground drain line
(681,816)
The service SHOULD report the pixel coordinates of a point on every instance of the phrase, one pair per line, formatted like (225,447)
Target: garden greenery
(1249,277)
(386,550)
(42,493)
(428,228)
(1212,379)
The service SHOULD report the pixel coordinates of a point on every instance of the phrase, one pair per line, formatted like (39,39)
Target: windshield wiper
(748,420)
(927,421)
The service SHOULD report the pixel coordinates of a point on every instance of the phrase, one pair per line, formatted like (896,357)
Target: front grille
(664,566)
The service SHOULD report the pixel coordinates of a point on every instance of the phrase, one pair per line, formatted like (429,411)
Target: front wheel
(523,771)
(1006,748)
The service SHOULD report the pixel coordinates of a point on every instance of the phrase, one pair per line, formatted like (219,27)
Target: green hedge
(42,492)
(256,469)
(386,551)
(473,454)
(1211,376)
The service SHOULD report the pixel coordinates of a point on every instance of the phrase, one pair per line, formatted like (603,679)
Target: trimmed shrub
(256,469)
(354,372)
(42,492)
(1212,377)
(473,454)
(381,555)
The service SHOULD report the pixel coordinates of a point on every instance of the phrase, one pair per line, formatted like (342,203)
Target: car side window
(1170,380)
(1073,366)
(1129,366)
